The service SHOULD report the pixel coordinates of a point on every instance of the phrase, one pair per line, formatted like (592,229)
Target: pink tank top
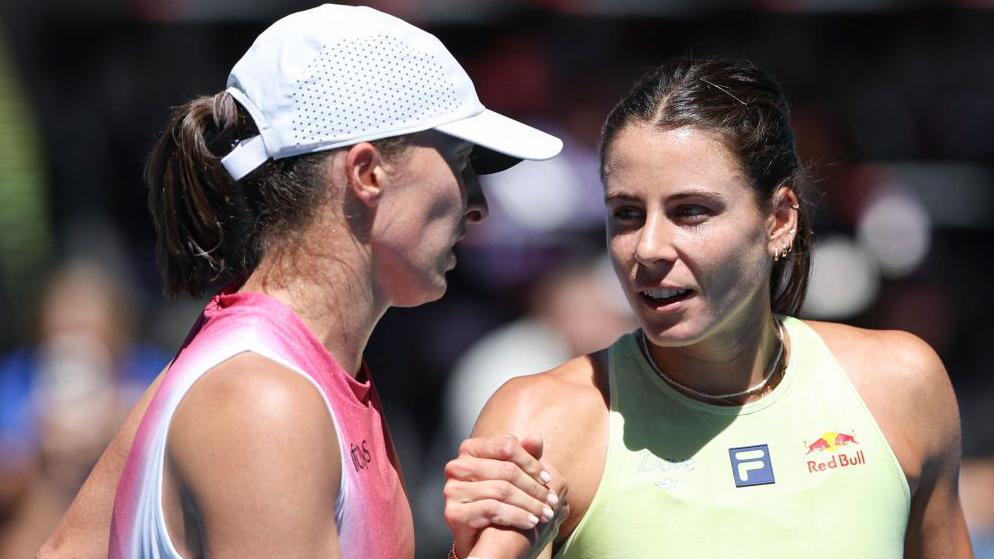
(372,512)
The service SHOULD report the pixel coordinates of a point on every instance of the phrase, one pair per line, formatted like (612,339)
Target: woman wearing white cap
(330,181)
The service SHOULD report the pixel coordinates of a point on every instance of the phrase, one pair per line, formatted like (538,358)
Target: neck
(333,296)
(726,362)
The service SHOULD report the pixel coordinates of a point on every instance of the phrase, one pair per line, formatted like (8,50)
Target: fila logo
(751,465)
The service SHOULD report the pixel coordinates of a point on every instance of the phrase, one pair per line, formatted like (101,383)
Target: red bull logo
(831,441)
(835,443)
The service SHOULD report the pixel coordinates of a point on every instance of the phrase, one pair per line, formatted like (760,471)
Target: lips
(658,297)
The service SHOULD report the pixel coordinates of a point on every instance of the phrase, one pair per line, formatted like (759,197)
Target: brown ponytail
(190,193)
(209,227)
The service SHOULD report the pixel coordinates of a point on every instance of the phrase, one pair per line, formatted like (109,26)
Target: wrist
(453,554)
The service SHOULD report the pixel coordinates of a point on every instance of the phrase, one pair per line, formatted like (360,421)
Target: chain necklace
(705,396)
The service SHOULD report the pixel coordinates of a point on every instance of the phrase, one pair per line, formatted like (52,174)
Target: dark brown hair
(748,110)
(210,227)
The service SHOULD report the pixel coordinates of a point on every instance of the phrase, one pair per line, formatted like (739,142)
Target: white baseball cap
(334,76)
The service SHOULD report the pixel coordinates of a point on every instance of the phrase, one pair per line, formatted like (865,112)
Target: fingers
(489,512)
(471,469)
(462,492)
(501,481)
(558,489)
(508,448)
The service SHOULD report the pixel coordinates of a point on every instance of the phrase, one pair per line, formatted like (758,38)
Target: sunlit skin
(419,221)
(682,215)
(382,237)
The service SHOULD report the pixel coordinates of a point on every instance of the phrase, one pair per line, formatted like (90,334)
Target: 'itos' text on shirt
(833,443)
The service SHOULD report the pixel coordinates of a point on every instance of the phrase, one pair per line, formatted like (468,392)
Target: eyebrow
(682,195)
(696,193)
(620,197)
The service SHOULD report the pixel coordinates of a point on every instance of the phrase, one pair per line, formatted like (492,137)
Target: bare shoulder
(894,359)
(568,407)
(575,390)
(254,445)
(907,389)
(246,405)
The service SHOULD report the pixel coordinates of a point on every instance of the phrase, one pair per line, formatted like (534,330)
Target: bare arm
(255,448)
(567,409)
(906,387)
(500,481)
(936,526)
(84,531)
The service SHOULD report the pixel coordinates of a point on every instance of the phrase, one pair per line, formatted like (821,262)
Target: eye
(691,214)
(627,214)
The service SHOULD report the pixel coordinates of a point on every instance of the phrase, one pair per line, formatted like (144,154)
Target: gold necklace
(644,344)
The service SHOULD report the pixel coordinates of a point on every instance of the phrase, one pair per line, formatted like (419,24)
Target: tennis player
(330,180)
(725,426)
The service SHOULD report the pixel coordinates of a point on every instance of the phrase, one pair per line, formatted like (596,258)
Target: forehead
(643,156)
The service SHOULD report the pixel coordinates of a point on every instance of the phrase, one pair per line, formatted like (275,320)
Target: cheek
(437,196)
(731,267)
(622,249)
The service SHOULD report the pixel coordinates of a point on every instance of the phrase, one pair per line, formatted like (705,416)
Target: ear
(782,222)
(364,168)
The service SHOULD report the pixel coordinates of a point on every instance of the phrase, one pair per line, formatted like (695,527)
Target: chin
(675,334)
(427,294)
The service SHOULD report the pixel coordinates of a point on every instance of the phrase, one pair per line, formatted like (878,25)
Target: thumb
(533,444)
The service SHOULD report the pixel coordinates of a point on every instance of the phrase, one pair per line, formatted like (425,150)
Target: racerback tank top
(371,513)
(802,472)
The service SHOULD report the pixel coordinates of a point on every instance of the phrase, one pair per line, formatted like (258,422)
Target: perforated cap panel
(336,75)
(367,85)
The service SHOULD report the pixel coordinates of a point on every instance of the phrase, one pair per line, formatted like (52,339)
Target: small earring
(795,206)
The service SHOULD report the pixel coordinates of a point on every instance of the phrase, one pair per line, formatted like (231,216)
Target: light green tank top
(803,472)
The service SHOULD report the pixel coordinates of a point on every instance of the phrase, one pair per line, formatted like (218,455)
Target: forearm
(506,543)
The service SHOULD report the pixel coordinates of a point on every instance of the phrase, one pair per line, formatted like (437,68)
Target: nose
(655,242)
(476,202)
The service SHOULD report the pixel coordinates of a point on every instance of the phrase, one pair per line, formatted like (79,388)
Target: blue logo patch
(751,465)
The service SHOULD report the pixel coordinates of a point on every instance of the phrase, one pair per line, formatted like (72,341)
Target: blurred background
(893,105)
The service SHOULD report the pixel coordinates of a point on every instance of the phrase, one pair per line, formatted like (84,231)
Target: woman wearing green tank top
(724,427)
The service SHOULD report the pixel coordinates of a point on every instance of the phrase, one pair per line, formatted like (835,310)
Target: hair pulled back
(210,227)
(748,110)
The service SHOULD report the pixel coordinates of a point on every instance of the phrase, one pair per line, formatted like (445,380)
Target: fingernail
(552,498)
(547,513)
(545,476)
(533,520)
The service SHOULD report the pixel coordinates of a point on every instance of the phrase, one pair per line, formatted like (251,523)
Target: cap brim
(505,141)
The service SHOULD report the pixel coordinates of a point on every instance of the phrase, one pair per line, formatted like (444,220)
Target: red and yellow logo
(841,456)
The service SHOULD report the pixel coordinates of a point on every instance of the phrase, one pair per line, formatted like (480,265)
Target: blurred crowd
(893,105)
